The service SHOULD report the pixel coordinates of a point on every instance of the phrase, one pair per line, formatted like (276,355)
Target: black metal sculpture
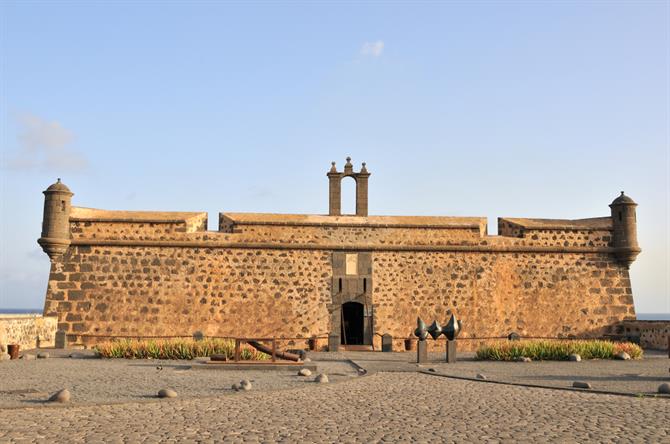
(451,330)
(420,331)
(435,330)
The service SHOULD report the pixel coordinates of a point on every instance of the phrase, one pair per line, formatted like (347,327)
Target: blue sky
(519,109)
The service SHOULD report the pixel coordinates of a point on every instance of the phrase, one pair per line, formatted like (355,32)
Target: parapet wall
(653,335)
(26,329)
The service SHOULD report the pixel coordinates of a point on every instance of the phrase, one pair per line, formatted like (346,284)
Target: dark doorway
(352,323)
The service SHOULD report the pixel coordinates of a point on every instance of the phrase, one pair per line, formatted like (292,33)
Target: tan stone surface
(653,335)
(25,329)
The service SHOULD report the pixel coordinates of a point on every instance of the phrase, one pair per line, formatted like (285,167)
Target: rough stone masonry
(122,273)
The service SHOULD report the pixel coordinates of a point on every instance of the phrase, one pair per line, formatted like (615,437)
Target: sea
(640,316)
(14,311)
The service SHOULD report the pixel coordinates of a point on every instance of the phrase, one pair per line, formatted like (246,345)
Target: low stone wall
(25,329)
(652,334)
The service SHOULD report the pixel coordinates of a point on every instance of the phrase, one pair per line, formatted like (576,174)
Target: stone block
(387,343)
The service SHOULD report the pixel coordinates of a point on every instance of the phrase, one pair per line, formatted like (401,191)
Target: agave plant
(547,350)
(175,349)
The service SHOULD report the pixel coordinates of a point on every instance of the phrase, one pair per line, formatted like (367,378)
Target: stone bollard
(421,352)
(451,352)
(333,343)
(387,343)
(61,339)
(198,336)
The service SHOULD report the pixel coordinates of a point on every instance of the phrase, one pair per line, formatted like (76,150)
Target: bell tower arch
(335,188)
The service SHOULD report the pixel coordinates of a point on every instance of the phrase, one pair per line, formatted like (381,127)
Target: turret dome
(58,187)
(623,200)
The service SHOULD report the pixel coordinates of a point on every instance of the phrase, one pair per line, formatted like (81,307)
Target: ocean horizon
(640,316)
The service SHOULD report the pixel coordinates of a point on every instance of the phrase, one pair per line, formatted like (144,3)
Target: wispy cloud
(44,145)
(372,49)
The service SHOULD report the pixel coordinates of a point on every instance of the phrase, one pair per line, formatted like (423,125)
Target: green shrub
(558,350)
(175,349)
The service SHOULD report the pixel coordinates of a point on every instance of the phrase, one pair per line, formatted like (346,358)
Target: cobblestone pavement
(24,383)
(633,376)
(385,407)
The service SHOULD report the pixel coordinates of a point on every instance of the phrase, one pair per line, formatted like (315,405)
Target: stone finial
(348,167)
(364,170)
(333,168)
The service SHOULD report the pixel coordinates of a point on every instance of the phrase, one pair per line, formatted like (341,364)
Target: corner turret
(624,235)
(55,238)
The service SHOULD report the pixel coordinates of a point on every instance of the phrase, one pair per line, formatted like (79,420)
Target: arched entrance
(353,324)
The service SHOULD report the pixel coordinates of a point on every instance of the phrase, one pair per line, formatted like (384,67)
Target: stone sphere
(60,396)
(167,393)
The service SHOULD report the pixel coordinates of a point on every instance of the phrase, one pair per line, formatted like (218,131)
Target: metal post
(237,349)
(274,349)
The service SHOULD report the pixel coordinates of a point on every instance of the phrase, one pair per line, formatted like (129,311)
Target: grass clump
(175,349)
(560,350)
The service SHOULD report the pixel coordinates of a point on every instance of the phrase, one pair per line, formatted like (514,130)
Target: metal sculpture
(420,331)
(435,330)
(451,331)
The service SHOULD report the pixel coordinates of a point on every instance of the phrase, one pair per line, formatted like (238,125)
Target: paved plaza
(113,401)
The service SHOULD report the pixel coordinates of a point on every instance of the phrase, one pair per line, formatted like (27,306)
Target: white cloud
(372,49)
(45,145)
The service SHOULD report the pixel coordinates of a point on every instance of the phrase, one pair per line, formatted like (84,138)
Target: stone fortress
(137,273)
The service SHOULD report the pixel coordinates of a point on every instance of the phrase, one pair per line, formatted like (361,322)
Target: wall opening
(353,327)
(348,196)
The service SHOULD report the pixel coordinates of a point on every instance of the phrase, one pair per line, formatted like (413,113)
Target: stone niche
(351,289)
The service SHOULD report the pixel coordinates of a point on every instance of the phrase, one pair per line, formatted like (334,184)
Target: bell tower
(335,188)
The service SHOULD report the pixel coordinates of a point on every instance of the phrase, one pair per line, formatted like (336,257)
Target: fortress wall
(359,236)
(117,290)
(569,238)
(355,235)
(89,223)
(599,234)
(506,228)
(176,291)
(125,230)
(533,294)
